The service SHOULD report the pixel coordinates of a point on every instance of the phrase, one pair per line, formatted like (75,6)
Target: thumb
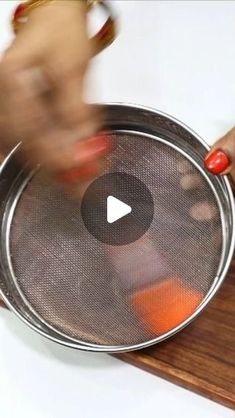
(221,158)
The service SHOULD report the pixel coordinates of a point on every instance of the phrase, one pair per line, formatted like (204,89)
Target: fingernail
(19,12)
(79,174)
(217,162)
(92,148)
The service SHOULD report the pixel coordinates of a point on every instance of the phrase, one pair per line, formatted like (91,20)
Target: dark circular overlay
(130,190)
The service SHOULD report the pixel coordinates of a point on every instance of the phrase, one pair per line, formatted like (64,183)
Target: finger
(221,158)
(28,113)
(52,149)
(67,78)
(19,81)
(66,97)
(68,102)
(78,186)
(5,145)
(83,173)
(57,155)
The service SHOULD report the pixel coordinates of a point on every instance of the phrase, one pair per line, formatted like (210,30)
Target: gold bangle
(105,36)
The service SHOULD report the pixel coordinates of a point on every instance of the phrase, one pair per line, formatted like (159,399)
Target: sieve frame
(114,111)
(10,211)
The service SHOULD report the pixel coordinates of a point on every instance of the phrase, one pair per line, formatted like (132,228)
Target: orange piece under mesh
(165,305)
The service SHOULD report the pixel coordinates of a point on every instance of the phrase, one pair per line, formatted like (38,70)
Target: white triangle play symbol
(116,209)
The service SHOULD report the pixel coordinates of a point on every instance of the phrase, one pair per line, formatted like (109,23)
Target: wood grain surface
(200,358)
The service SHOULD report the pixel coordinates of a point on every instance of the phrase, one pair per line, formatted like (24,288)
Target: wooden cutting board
(200,358)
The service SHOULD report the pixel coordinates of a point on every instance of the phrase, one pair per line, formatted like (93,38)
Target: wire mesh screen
(126,294)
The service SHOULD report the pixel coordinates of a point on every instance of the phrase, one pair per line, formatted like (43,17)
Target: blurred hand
(41,90)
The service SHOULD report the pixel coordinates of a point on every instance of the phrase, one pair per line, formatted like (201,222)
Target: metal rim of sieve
(219,185)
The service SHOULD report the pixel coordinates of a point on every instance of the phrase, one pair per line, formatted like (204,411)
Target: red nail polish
(19,12)
(79,174)
(100,143)
(92,149)
(217,162)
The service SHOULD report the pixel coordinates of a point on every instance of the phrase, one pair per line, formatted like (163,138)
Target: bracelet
(101,40)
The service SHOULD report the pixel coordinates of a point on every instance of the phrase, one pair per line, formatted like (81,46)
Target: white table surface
(177,57)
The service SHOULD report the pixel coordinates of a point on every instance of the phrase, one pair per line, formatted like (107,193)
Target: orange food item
(165,305)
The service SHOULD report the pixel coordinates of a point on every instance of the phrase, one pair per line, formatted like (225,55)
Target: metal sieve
(84,293)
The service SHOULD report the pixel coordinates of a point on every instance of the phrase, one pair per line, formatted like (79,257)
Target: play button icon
(117,208)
